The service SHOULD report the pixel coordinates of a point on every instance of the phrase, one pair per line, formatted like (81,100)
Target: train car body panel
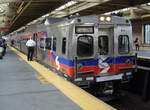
(91,49)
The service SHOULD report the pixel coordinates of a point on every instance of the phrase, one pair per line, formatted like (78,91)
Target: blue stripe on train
(94,62)
(109,60)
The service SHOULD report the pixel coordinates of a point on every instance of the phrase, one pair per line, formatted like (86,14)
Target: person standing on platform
(1,49)
(30,45)
(136,44)
(4,47)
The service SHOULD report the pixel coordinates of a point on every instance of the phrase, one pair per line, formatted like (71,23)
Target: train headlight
(108,18)
(102,18)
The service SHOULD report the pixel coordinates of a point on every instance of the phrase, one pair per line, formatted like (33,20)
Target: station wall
(138,31)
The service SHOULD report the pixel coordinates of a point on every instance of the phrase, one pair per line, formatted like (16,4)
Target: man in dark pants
(1,49)
(4,47)
(30,45)
(30,53)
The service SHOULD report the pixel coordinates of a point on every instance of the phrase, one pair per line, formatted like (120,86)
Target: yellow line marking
(85,100)
(41,78)
(143,57)
(20,59)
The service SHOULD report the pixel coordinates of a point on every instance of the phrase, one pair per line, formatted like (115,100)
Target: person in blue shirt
(136,44)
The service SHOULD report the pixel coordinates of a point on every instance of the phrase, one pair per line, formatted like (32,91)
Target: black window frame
(54,46)
(102,51)
(119,45)
(83,49)
(64,45)
(48,47)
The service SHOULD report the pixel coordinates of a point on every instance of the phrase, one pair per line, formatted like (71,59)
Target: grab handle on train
(76,68)
(135,62)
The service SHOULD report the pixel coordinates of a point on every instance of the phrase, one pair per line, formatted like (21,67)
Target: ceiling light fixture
(66,5)
(148,4)
(44,16)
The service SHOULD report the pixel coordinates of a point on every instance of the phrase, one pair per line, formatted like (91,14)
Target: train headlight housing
(108,18)
(102,18)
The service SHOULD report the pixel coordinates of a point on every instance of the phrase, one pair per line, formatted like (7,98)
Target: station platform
(143,54)
(20,88)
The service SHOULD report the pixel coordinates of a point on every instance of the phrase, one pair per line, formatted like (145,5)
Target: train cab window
(85,46)
(64,45)
(42,43)
(123,44)
(48,43)
(54,44)
(103,45)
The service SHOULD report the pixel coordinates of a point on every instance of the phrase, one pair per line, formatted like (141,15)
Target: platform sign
(84,29)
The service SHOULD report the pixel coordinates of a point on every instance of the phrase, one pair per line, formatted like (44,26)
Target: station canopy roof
(15,14)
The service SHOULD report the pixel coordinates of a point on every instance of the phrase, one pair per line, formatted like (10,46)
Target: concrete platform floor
(145,53)
(21,90)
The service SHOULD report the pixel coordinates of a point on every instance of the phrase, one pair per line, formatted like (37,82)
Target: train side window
(103,45)
(85,46)
(54,44)
(48,43)
(123,44)
(42,43)
(64,45)
(34,36)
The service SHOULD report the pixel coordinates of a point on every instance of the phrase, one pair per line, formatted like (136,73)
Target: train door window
(54,44)
(64,45)
(48,43)
(103,45)
(85,46)
(123,44)
(42,43)
(34,36)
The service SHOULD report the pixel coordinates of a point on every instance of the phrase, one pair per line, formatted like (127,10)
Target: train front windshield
(85,46)
(85,40)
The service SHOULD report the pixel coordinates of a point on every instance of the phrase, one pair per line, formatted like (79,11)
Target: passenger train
(94,50)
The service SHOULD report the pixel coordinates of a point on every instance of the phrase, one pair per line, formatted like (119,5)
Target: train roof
(95,19)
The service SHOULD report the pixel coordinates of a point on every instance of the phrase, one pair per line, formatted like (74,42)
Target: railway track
(130,102)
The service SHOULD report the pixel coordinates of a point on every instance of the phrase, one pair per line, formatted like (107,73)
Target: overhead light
(66,5)
(44,16)
(4,4)
(148,4)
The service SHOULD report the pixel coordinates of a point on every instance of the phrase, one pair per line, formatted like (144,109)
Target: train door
(123,46)
(35,36)
(84,50)
(85,41)
(105,50)
(40,47)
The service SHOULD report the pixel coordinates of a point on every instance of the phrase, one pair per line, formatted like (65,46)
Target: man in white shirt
(30,45)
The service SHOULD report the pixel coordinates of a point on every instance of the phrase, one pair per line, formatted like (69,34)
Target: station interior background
(16,15)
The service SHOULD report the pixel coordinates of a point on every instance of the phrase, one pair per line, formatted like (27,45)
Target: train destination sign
(84,29)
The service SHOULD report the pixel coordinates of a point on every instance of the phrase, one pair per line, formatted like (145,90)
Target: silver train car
(93,50)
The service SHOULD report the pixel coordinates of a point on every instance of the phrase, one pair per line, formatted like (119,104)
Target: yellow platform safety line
(83,99)
(41,78)
(143,57)
(20,59)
